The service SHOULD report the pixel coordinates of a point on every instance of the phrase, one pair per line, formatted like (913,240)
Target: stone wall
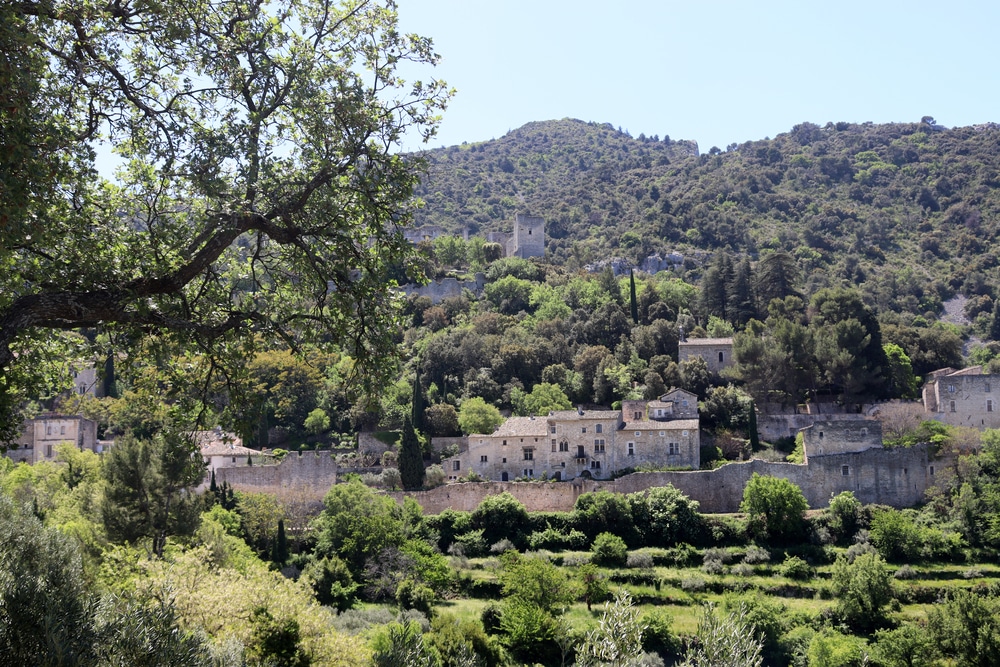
(896,477)
(841,436)
(439,290)
(312,473)
(770,427)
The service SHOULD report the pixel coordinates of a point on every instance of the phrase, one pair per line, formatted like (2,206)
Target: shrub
(715,553)
(640,559)
(906,572)
(775,507)
(755,555)
(693,585)
(713,567)
(795,568)
(609,550)
(502,546)
(743,570)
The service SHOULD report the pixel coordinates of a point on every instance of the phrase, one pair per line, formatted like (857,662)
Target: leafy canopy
(259,196)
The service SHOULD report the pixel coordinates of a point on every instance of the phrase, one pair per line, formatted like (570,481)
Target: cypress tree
(212,486)
(418,404)
(752,427)
(633,304)
(995,325)
(411,459)
(249,460)
(279,554)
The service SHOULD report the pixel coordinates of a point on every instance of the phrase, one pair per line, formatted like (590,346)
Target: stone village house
(593,444)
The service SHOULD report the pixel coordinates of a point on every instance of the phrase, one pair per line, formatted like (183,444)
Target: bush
(713,567)
(755,555)
(743,570)
(639,559)
(906,572)
(775,507)
(715,553)
(795,568)
(609,550)
(693,585)
(550,538)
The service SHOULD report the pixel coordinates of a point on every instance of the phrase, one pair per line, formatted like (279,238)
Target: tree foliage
(259,197)
(776,507)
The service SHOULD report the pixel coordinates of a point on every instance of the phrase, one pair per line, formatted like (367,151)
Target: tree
(418,404)
(280,552)
(260,197)
(595,587)
(411,459)
(543,398)
(147,488)
(501,516)
(633,305)
(442,420)
(617,639)
(967,627)
(863,589)
(731,641)
(476,416)
(609,550)
(776,507)
(401,645)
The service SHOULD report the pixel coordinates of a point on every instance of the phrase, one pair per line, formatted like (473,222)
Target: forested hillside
(907,211)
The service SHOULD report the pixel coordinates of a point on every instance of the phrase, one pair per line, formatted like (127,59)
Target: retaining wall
(896,477)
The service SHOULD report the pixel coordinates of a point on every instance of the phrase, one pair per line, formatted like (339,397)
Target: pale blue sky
(716,72)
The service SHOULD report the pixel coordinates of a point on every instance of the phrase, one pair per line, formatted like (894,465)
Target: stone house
(717,352)
(40,436)
(841,436)
(595,444)
(962,398)
(221,449)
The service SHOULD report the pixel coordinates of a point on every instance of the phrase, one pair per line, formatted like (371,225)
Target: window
(595,465)
(504,460)
(864,433)
(951,389)
(638,434)
(529,454)
(482,459)
(951,405)
(721,357)
(599,428)
(234,459)
(674,448)
(684,433)
(638,415)
(583,430)
(528,472)
(598,446)
(552,429)
(932,471)
(48,429)
(553,445)
(845,470)
(579,452)
(989,405)
(631,449)
(48,451)
(684,402)
(662,433)
(563,446)
(659,412)
(456,465)
(62,429)
(986,387)
(504,443)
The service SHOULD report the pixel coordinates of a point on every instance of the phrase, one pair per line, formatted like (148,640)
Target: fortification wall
(896,477)
(312,473)
(841,436)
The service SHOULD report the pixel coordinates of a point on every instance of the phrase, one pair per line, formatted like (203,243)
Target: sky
(717,72)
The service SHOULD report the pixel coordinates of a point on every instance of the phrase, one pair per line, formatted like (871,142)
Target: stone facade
(416,235)
(528,239)
(963,398)
(841,436)
(41,435)
(717,352)
(568,444)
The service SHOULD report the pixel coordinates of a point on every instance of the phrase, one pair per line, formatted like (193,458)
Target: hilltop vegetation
(907,211)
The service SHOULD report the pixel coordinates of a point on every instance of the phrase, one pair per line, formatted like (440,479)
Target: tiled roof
(222,449)
(523,427)
(573,415)
(673,425)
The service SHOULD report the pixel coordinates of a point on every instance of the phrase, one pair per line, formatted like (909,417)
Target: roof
(673,425)
(215,436)
(707,341)
(523,427)
(222,449)
(576,415)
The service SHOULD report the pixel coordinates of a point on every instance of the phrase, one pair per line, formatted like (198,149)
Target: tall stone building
(962,398)
(528,239)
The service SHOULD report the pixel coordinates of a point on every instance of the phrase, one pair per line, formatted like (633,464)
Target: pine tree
(411,459)
(633,304)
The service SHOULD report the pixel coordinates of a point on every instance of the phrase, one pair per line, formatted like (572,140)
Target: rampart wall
(896,477)
(439,290)
(307,472)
